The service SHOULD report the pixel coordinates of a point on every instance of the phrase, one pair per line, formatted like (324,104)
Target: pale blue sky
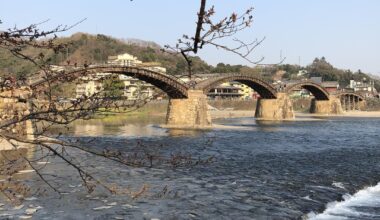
(346,32)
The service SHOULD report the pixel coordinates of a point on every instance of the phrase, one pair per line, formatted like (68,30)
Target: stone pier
(275,109)
(332,106)
(13,106)
(190,112)
(362,105)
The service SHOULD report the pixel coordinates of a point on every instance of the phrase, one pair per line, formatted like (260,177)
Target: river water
(312,169)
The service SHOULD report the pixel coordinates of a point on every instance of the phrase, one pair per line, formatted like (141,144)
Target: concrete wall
(275,109)
(191,112)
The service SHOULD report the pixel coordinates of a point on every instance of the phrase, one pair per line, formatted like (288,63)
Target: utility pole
(299,61)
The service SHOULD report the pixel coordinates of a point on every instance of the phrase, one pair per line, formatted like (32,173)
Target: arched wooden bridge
(167,83)
(265,89)
(319,92)
(351,100)
(188,104)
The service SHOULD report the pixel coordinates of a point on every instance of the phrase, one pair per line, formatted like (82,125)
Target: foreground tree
(20,105)
(212,33)
(51,112)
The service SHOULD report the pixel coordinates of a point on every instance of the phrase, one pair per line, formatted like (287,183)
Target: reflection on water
(183,132)
(150,126)
(120,125)
(133,127)
(88,129)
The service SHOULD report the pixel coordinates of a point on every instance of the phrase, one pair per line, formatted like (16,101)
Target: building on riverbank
(228,90)
(224,92)
(133,89)
(88,88)
(330,86)
(366,88)
(232,90)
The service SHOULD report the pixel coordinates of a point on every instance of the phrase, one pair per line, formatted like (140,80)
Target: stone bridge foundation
(13,106)
(189,112)
(332,106)
(275,109)
(362,105)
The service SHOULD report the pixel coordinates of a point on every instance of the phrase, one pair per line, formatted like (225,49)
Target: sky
(345,32)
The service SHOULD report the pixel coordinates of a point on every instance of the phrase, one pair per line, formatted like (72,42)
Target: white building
(135,89)
(362,86)
(367,89)
(130,60)
(124,59)
(301,73)
(88,88)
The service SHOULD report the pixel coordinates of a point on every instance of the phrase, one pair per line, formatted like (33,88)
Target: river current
(312,169)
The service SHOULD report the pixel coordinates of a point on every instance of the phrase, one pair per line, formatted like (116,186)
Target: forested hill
(320,67)
(91,49)
(96,49)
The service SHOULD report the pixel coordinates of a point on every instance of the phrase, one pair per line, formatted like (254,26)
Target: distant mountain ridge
(141,43)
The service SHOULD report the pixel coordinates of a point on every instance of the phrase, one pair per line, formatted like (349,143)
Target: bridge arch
(356,95)
(351,100)
(316,89)
(262,87)
(167,83)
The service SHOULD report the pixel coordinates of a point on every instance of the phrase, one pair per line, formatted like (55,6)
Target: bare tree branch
(208,32)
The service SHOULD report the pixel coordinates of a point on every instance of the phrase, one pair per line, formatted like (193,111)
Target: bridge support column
(191,112)
(332,106)
(361,105)
(12,108)
(275,109)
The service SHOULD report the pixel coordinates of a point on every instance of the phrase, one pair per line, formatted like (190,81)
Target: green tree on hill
(226,68)
(322,68)
(113,88)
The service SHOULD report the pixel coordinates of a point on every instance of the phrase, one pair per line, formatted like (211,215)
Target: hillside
(90,49)
(86,48)
(320,67)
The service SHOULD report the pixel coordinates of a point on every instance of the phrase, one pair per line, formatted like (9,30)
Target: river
(307,169)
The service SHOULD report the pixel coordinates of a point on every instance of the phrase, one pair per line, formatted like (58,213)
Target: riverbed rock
(18,207)
(30,211)
(101,208)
